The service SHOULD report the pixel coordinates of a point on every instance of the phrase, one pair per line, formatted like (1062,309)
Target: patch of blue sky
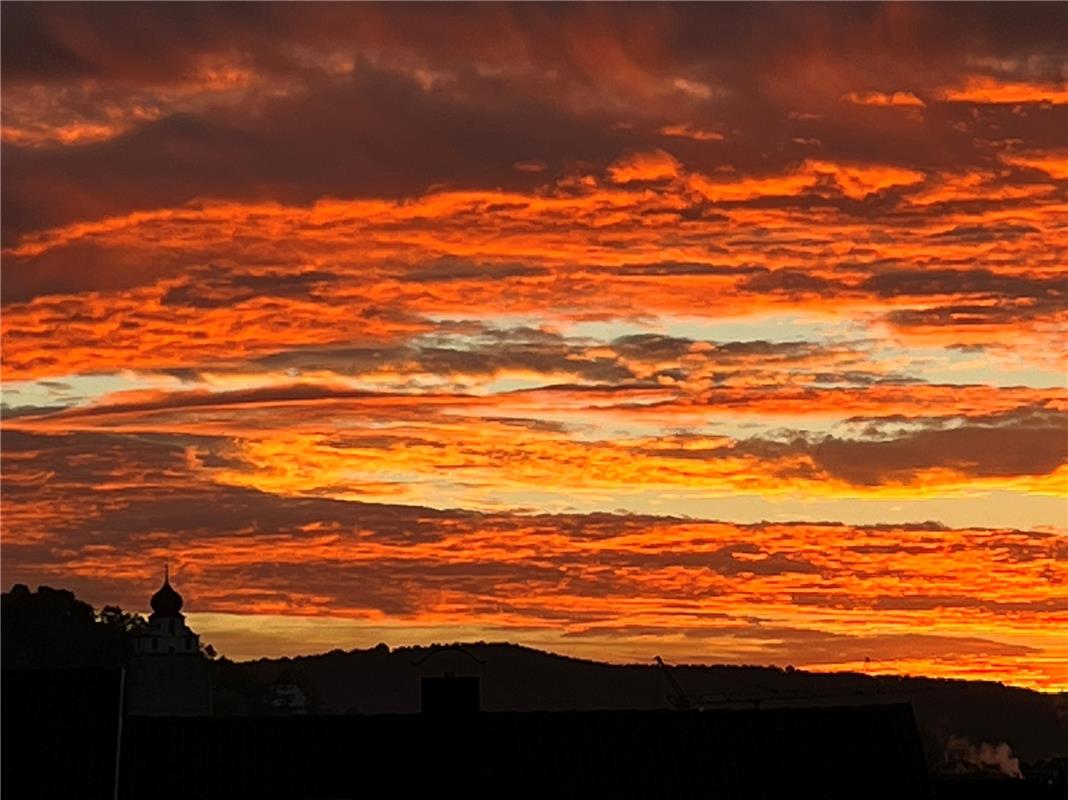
(953,366)
(70,390)
(518,383)
(995,508)
(586,425)
(769,327)
(991,509)
(742,327)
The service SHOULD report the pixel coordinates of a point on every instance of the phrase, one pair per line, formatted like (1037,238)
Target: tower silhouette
(168,674)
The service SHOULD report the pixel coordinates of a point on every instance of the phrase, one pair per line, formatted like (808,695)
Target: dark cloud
(1028,441)
(83,266)
(453,270)
(541,355)
(296,149)
(957,282)
(735,558)
(112,42)
(924,602)
(965,315)
(986,233)
(652,346)
(973,451)
(671,268)
(222,288)
(1024,443)
(789,282)
(491,105)
(296,393)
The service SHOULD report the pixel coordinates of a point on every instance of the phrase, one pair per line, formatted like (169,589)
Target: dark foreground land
(62,746)
(65,735)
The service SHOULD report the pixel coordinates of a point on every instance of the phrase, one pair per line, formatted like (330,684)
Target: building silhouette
(285,695)
(168,675)
(166,631)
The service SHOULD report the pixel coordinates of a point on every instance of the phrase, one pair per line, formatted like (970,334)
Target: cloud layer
(730,331)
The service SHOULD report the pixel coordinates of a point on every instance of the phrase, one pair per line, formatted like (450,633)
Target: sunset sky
(730,333)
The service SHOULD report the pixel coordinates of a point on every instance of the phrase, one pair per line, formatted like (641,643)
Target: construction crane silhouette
(684,702)
(680,700)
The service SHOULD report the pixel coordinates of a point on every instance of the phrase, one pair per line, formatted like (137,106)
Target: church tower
(168,674)
(166,632)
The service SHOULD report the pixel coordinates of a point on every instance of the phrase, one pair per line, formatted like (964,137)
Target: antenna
(166,572)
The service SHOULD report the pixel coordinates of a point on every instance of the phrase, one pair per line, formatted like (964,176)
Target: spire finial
(166,602)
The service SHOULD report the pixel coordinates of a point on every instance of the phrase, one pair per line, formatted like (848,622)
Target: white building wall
(167,635)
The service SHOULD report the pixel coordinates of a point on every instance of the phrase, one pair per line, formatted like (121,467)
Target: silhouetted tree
(53,628)
(119,621)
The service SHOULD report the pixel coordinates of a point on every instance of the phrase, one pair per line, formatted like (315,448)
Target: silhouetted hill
(517,678)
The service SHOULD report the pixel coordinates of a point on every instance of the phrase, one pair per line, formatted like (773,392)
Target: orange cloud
(859,181)
(687,131)
(1053,162)
(657,165)
(986,90)
(557,251)
(891,99)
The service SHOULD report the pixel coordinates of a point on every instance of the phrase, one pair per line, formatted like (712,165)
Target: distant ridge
(518,678)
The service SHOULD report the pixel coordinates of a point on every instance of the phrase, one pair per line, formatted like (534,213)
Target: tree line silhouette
(53,628)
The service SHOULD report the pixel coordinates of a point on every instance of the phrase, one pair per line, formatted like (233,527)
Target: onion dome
(166,602)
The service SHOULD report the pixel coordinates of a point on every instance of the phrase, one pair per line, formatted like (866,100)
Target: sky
(730,333)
